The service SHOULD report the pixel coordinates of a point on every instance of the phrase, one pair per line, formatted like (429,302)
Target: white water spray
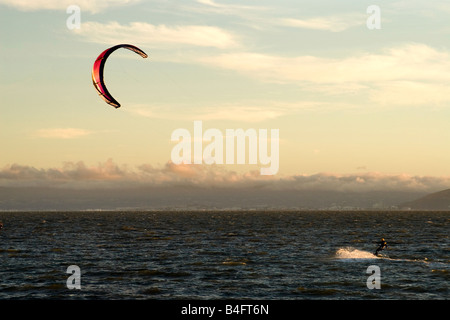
(352,253)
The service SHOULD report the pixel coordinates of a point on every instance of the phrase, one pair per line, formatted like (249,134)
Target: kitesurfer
(382,245)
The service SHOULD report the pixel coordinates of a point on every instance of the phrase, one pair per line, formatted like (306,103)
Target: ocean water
(224,255)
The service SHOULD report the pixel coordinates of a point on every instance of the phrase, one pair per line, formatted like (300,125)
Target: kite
(97,72)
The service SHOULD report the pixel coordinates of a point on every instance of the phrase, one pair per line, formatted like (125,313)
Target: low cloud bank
(110,175)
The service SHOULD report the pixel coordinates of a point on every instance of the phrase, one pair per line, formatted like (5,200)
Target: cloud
(210,6)
(62,133)
(250,113)
(408,73)
(418,7)
(242,113)
(412,62)
(247,112)
(142,33)
(231,112)
(331,23)
(111,175)
(370,181)
(410,93)
(260,111)
(71,175)
(93,6)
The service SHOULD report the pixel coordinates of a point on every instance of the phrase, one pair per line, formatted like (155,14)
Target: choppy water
(224,255)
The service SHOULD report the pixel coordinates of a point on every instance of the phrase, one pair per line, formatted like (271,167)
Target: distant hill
(191,197)
(435,201)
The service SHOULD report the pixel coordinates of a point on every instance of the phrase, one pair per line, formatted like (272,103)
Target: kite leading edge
(97,72)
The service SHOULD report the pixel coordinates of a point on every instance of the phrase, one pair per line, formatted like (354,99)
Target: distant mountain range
(434,201)
(194,198)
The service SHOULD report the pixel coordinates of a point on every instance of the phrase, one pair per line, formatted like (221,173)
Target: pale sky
(346,99)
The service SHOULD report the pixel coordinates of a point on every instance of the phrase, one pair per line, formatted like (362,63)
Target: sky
(353,104)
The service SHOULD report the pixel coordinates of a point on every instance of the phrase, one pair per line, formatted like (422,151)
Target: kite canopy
(97,72)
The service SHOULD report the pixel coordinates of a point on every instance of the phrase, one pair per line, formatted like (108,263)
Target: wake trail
(351,254)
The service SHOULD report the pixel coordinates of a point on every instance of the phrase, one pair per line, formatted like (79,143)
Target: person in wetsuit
(382,245)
